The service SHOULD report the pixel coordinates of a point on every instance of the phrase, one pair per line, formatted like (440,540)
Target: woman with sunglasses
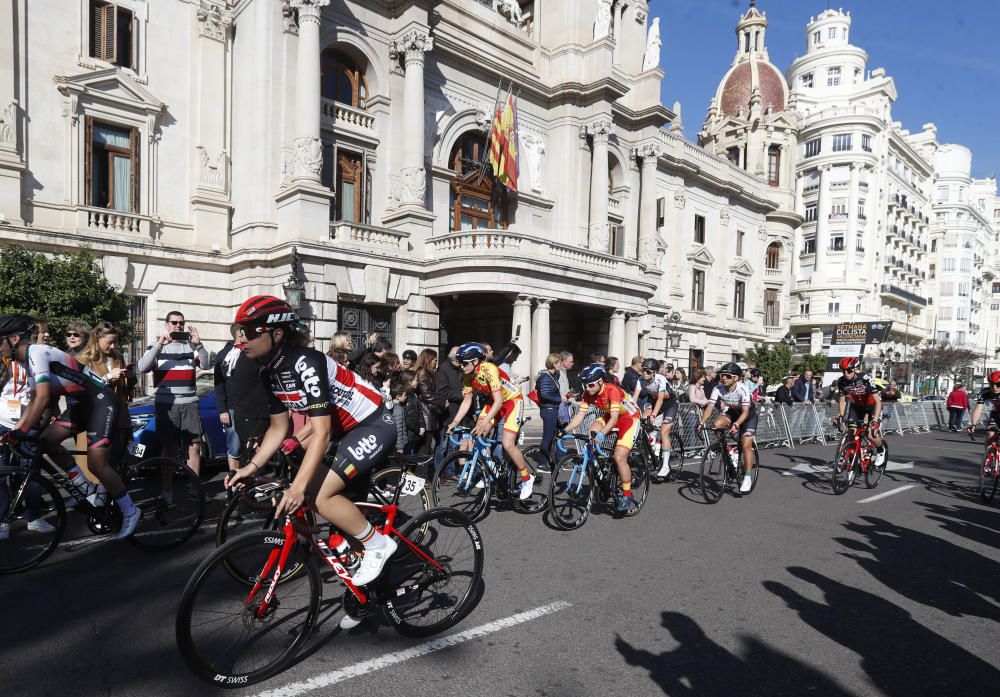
(738,414)
(660,407)
(615,411)
(866,404)
(77,336)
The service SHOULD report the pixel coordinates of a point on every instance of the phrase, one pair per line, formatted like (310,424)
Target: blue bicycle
(468,478)
(581,477)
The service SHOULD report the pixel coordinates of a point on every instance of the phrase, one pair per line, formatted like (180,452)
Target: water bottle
(345,554)
(654,443)
(734,456)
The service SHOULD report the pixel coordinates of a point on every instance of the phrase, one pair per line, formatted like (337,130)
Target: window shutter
(134,170)
(105,32)
(88,161)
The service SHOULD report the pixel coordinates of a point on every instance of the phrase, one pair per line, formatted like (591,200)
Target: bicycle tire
(224,667)
(844,464)
(382,490)
(26,549)
(164,526)
(714,473)
(640,480)
(455,543)
(677,454)
(458,492)
(538,501)
(571,493)
(874,474)
(988,476)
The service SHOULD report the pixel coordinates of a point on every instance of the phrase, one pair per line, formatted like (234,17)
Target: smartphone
(517,333)
(180,336)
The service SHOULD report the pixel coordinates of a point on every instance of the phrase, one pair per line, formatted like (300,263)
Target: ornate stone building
(207,150)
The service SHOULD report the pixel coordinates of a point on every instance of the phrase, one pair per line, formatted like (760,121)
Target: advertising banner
(851,339)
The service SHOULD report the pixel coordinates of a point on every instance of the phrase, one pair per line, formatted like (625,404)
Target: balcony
(368,238)
(773,274)
(104,220)
(904,295)
(337,116)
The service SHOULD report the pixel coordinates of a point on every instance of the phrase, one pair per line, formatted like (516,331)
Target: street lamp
(673,336)
(294,288)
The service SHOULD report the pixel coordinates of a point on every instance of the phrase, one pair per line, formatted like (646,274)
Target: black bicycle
(651,435)
(722,467)
(169,495)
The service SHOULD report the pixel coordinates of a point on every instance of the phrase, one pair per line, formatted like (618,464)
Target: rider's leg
(665,430)
(624,471)
(747,444)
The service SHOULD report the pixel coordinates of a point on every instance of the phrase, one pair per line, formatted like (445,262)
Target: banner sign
(851,339)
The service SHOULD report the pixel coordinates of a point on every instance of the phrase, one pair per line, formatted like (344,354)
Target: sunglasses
(726,376)
(176,322)
(593,384)
(73,335)
(468,362)
(849,370)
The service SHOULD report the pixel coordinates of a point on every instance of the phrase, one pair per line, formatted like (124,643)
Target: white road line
(805,468)
(888,493)
(365,667)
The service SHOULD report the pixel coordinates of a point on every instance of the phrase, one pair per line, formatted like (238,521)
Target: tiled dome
(739,83)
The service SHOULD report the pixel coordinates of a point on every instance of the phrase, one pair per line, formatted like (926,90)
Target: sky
(943,56)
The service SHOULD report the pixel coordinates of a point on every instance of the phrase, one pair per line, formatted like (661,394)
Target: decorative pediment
(110,86)
(701,255)
(740,267)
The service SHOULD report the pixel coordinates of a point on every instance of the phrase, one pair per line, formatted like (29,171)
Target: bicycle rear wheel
(677,454)
(34,495)
(988,476)
(874,474)
(534,456)
(454,485)
(844,465)
(220,632)
(714,473)
(164,525)
(430,585)
(640,480)
(571,493)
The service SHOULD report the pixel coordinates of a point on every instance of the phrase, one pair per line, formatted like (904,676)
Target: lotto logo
(310,380)
(365,446)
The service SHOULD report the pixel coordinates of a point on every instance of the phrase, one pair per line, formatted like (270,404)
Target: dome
(738,86)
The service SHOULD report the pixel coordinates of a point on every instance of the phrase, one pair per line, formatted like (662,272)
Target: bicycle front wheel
(844,467)
(536,459)
(988,475)
(714,471)
(30,496)
(462,484)
(172,501)
(874,474)
(571,493)
(430,583)
(234,633)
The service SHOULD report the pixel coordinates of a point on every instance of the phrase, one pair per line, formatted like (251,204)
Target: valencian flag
(503,143)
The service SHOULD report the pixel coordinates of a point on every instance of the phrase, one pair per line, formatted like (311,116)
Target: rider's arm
(33,412)
(318,442)
(463,409)
(612,421)
(878,406)
(636,391)
(277,429)
(659,404)
(976,413)
(494,407)
(577,419)
(841,408)
(707,413)
(744,412)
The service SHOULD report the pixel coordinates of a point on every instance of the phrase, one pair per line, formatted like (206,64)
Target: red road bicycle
(856,453)
(989,471)
(237,629)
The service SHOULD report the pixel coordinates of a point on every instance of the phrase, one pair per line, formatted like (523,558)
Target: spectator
(833,394)
(697,392)
(383,346)
(398,408)
(414,415)
(426,369)
(711,379)
(598,357)
(174,363)
(343,340)
(632,375)
(680,382)
(77,336)
(565,411)
(891,392)
(957,403)
(505,359)
(102,359)
(241,398)
(613,366)
(549,398)
(488,348)
(803,390)
(667,370)
(449,386)
(409,359)
(43,330)
(784,393)
(340,356)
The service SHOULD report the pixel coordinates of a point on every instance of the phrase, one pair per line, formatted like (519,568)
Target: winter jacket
(548,390)
(803,390)
(958,398)
(449,387)
(629,379)
(399,418)
(783,396)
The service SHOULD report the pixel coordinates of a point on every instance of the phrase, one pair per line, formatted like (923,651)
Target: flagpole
(484,158)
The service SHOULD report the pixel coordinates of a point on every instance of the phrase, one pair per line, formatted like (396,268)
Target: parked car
(142,413)
(933,398)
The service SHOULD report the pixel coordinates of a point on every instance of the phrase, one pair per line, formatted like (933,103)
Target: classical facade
(207,150)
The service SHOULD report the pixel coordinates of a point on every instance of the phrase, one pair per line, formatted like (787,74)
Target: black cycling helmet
(15,325)
(731,369)
(754,373)
(651,364)
(469,351)
(592,373)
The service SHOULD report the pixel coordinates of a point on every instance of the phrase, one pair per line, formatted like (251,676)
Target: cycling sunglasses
(468,362)
(723,376)
(596,383)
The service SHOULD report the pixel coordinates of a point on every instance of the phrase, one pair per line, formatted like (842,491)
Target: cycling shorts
(364,448)
(511,414)
(669,413)
(858,412)
(749,427)
(96,414)
(626,438)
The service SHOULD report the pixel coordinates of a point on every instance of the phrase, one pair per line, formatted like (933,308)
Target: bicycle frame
(858,431)
(592,457)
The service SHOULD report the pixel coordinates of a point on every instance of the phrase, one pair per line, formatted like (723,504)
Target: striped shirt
(174,367)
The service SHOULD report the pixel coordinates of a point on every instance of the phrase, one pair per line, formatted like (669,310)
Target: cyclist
(738,414)
(339,404)
(507,405)
(661,402)
(91,405)
(990,394)
(615,411)
(866,404)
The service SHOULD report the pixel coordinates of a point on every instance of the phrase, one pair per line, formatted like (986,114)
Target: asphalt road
(789,591)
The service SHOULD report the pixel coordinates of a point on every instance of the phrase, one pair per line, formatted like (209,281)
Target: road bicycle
(855,454)
(651,446)
(234,632)
(33,495)
(590,474)
(989,471)
(468,479)
(723,466)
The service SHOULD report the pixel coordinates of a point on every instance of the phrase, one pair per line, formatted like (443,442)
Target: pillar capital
(618,315)
(214,21)
(544,303)
(601,129)
(523,300)
(648,153)
(309,10)
(412,45)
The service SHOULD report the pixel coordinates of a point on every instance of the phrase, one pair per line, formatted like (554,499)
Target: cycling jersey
(860,389)
(732,399)
(488,378)
(612,400)
(988,396)
(650,391)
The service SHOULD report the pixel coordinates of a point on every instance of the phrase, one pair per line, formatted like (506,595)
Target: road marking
(805,468)
(893,466)
(366,667)
(888,493)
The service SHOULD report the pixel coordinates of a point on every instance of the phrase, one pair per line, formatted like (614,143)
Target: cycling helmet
(651,364)
(266,311)
(994,376)
(755,373)
(731,369)
(592,373)
(849,363)
(470,350)
(13,325)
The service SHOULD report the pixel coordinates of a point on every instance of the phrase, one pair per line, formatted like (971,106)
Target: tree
(61,289)
(815,362)
(946,359)
(775,361)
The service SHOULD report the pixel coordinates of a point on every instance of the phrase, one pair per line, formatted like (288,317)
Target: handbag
(533,396)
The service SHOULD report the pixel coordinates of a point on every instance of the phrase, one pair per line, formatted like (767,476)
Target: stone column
(411,46)
(11,166)
(631,340)
(822,218)
(308,147)
(521,327)
(853,233)
(616,334)
(649,153)
(540,335)
(600,236)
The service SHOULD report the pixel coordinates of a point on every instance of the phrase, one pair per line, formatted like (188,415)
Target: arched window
(341,80)
(773,259)
(477,199)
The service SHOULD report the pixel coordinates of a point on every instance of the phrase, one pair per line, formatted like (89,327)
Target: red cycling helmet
(849,363)
(995,377)
(265,311)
